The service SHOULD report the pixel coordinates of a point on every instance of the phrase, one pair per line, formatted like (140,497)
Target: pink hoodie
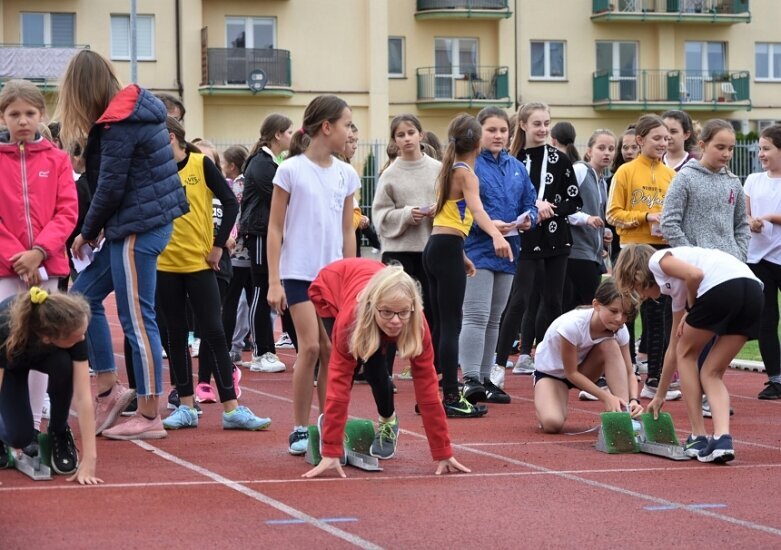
(38,203)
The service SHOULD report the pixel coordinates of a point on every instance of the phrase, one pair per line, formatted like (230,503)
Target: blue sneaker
(718,450)
(694,445)
(298,441)
(182,417)
(243,419)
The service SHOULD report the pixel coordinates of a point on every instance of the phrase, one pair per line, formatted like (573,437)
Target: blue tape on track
(699,506)
(299,521)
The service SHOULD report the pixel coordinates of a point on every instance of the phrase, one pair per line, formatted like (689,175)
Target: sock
(390,419)
(105,393)
(776,379)
(716,436)
(231,413)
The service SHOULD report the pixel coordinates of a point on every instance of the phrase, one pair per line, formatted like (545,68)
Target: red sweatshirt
(334,293)
(39,205)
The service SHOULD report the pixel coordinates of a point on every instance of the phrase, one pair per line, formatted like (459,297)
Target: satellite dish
(257,80)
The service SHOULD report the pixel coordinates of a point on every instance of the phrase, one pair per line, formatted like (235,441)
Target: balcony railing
(477,86)
(463,9)
(689,11)
(696,90)
(232,66)
(42,64)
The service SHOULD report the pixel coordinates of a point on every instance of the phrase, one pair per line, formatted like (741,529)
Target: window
(705,62)
(48,29)
(395,56)
(548,59)
(145,37)
(768,60)
(454,59)
(619,60)
(250,32)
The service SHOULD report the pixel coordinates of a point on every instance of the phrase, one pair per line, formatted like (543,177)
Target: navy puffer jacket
(131,169)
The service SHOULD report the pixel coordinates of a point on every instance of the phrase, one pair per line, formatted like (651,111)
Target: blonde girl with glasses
(370,311)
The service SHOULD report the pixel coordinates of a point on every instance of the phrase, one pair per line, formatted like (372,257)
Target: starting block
(37,468)
(620,434)
(358,437)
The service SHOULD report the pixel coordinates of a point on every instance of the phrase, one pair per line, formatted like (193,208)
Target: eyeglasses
(387,314)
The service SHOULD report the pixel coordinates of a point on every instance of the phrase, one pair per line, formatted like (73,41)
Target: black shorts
(539,375)
(296,292)
(733,307)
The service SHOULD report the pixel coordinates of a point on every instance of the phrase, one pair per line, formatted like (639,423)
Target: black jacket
(258,187)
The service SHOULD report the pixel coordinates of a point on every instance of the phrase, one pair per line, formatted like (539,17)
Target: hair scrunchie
(302,131)
(38,295)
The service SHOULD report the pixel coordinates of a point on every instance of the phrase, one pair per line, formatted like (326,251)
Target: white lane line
(455,478)
(260,497)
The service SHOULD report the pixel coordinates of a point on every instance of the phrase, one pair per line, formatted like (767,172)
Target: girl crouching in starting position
(45,333)
(374,310)
(578,348)
(713,294)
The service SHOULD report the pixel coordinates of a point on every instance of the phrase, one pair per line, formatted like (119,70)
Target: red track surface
(208,487)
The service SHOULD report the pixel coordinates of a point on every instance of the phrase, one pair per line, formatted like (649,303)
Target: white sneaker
(525,365)
(268,362)
(641,367)
(46,411)
(509,364)
(497,376)
(284,342)
(649,392)
(195,347)
(405,374)
(586,396)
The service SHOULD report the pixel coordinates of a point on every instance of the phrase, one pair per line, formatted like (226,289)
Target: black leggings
(443,260)
(259,311)
(545,276)
(201,287)
(206,361)
(240,282)
(375,371)
(583,278)
(658,318)
(412,262)
(770,275)
(16,417)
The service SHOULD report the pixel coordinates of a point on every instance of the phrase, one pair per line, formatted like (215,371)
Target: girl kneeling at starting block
(577,349)
(45,333)
(373,310)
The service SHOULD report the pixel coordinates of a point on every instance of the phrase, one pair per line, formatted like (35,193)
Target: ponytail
(463,137)
(322,109)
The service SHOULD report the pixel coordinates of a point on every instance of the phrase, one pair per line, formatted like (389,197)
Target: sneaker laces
(386,431)
(63,444)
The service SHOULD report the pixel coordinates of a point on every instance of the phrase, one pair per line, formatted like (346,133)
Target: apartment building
(596,62)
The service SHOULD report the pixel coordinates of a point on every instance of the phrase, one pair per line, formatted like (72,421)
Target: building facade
(597,63)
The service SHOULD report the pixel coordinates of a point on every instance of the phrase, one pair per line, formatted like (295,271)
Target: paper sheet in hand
(87,254)
(518,221)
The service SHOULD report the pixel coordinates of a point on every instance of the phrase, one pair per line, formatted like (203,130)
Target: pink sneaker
(236,380)
(108,408)
(137,427)
(204,393)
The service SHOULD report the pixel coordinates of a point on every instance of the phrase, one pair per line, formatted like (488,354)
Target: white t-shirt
(764,194)
(313,235)
(717,267)
(574,327)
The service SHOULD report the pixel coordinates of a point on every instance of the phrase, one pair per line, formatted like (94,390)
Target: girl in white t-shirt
(763,204)
(579,347)
(713,294)
(312,206)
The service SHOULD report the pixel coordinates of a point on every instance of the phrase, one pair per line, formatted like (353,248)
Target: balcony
(43,65)
(484,86)
(225,71)
(462,9)
(672,89)
(725,12)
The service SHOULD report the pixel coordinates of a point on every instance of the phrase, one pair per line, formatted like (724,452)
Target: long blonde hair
(87,87)
(388,283)
(631,269)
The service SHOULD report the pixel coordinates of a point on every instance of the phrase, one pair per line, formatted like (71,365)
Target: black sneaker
(772,391)
(173,399)
(495,394)
(718,450)
(65,459)
(473,391)
(456,406)
(31,449)
(132,408)
(3,456)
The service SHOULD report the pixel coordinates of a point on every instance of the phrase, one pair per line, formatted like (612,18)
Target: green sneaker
(384,444)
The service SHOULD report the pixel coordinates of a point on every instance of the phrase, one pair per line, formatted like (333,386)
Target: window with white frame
(145,37)
(548,59)
(47,29)
(250,32)
(767,56)
(395,56)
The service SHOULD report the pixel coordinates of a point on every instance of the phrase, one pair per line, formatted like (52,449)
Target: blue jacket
(506,192)
(131,168)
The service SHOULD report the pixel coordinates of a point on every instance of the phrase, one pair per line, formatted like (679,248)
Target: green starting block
(620,434)
(37,468)
(358,438)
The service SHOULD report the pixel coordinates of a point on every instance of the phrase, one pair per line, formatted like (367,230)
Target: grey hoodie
(706,210)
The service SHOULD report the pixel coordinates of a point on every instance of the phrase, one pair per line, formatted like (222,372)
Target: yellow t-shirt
(193,234)
(455,214)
